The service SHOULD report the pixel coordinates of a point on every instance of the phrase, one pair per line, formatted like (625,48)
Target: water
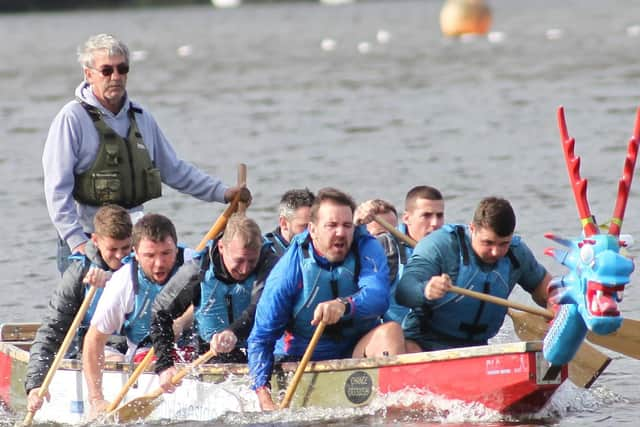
(472,117)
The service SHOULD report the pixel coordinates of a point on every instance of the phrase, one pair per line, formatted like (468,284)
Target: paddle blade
(626,340)
(136,409)
(584,368)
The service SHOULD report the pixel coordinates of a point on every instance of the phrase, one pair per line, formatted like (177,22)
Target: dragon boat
(507,378)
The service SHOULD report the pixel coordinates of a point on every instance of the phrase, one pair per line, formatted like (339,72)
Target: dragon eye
(586,254)
(626,240)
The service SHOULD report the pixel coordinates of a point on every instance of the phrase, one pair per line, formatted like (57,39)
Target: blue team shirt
(284,286)
(439,253)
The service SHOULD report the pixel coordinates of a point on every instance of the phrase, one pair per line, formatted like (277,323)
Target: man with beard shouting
(334,273)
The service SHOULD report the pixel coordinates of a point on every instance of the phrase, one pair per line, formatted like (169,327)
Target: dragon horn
(624,184)
(578,184)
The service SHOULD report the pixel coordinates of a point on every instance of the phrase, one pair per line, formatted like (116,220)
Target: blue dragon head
(596,280)
(587,296)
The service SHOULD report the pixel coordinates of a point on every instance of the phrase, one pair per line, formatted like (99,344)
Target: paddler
(222,285)
(485,256)
(293,218)
(334,272)
(110,243)
(423,214)
(125,304)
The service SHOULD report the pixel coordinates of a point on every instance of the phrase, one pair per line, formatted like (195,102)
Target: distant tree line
(43,5)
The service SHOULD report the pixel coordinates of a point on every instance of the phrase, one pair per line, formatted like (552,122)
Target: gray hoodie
(72,146)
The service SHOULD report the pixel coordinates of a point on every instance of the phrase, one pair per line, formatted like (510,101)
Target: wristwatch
(347,304)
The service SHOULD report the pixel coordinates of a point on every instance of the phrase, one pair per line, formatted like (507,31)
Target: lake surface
(473,117)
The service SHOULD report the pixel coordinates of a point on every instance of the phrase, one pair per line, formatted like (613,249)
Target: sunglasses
(107,70)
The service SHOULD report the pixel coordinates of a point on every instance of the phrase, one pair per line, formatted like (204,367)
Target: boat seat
(19,334)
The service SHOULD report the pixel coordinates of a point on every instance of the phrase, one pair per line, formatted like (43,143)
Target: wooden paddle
(235,204)
(585,367)
(141,407)
(86,303)
(625,340)
(242,181)
(302,365)
(142,366)
(215,229)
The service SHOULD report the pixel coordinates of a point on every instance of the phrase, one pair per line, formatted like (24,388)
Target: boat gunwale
(21,355)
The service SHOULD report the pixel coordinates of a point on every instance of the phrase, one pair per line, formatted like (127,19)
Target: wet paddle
(302,365)
(215,229)
(625,340)
(141,407)
(587,364)
(142,366)
(62,350)
(585,367)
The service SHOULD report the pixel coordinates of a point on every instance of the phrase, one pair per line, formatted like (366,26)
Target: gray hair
(112,45)
(293,200)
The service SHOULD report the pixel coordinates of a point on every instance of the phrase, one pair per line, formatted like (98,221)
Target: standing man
(104,148)
(125,304)
(110,243)
(293,218)
(333,273)
(484,256)
(223,285)
(423,214)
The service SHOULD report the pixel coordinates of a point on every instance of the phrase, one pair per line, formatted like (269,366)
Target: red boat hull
(508,384)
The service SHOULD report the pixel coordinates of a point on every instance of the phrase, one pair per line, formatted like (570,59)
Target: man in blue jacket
(484,256)
(335,273)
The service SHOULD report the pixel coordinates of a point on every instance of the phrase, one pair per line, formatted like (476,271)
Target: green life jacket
(122,172)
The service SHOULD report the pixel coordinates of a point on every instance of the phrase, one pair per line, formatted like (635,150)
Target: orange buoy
(459,17)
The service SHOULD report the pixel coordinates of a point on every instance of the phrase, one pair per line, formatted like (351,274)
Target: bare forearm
(93,362)
(540,295)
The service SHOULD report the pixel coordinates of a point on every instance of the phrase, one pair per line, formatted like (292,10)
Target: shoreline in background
(12,6)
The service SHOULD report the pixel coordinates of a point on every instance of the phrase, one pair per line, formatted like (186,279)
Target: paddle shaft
(629,345)
(215,229)
(467,292)
(302,365)
(503,302)
(242,182)
(148,358)
(626,340)
(395,232)
(142,406)
(183,373)
(235,204)
(63,350)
